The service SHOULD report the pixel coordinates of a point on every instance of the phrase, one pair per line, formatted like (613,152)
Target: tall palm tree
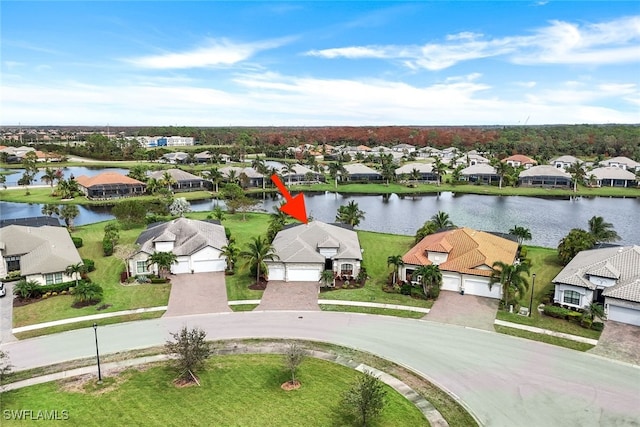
(68,214)
(510,277)
(350,214)
(277,221)
(430,278)
(232,177)
(231,252)
(396,261)
(75,270)
(152,185)
(441,220)
(290,170)
(577,172)
(415,175)
(602,231)
(439,169)
(49,176)
(164,261)
(522,233)
(335,170)
(167,180)
(50,209)
(502,169)
(216,177)
(257,251)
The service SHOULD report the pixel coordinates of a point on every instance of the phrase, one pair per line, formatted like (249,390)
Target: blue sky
(256,63)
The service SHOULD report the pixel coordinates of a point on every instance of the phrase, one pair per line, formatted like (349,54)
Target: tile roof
(612,172)
(106,178)
(359,168)
(479,169)
(629,291)
(176,174)
(544,170)
(409,167)
(189,236)
(520,158)
(467,249)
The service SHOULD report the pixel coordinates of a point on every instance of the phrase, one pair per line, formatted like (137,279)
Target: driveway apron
(619,341)
(464,310)
(197,293)
(290,296)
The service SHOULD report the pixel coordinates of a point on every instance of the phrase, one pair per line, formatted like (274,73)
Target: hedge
(77,241)
(90,264)
(107,247)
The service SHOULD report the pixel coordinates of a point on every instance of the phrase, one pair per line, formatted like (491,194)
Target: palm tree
(68,213)
(602,231)
(231,252)
(232,176)
(75,270)
(441,220)
(522,233)
(277,221)
(593,310)
(50,209)
(350,214)
(257,251)
(167,180)
(49,176)
(289,169)
(327,277)
(430,279)
(502,169)
(152,185)
(415,175)
(396,261)
(164,261)
(439,169)
(510,277)
(335,170)
(216,177)
(577,173)
(218,213)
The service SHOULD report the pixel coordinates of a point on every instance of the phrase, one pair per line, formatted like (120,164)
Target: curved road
(504,381)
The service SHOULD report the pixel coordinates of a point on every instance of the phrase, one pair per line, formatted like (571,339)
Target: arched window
(346,269)
(571,297)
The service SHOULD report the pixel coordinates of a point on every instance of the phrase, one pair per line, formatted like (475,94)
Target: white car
(3,291)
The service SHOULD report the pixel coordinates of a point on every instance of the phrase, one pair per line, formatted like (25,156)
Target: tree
(427,228)
(350,214)
(75,270)
(236,200)
(130,212)
(502,169)
(68,214)
(167,180)
(48,176)
(510,276)
(365,400)
(277,221)
(218,213)
(577,173)
(112,233)
(326,278)
(294,354)
(396,261)
(191,350)
(138,172)
(593,310)
(50,209)
(602,231)
(179,207)
(577,240)
(441,221)
(152,186)
(290,170)
(124,253)
(430,279)
(86,292)
(336,170)
(231,252)
(439,169)
(25,180)
(25,288)
(256,252)
(521,233)
(163,260)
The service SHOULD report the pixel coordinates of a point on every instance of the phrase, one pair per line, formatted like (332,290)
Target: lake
(548,219)
(76,171)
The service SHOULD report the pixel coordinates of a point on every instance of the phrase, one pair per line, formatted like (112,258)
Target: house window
(346,269)
(13,263)
(571,297)
(141,267)
(53,278)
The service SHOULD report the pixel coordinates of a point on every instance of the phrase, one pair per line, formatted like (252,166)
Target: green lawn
(240,390)
(549,339)
(43,195)
(373,310)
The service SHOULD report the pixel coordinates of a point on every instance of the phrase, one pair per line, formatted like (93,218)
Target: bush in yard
(191,350)
(89,264)
(77,241)
(405,289)
(553,311)
(585,322)
(365,400)
(26,288)
(107,247)
(597,326)
(86,293)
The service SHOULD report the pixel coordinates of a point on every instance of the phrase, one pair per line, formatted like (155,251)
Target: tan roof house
(182,180)
(110,185)
(611,176)
(465,258)
(544,176)
(518,160)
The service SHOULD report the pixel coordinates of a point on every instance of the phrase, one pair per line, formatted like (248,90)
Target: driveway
(6,315)
(619,341)
(290,296)
(198,293)
(464,310)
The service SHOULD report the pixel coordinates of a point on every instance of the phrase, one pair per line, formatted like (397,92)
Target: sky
(207,63)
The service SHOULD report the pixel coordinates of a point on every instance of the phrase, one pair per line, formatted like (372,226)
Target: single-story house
(465,258)
(544,176)
(41,253)
(197,245)
(176,157)
(301,174)
(404,148)
(306,250)
(360,172)
(622,162)
(251,177)
(110,185)
(425,171)
(480,173)
(183,181)
(564,162)
(610,276)
(518,160)
(611,176)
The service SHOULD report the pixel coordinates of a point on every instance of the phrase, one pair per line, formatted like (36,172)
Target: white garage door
(276,272)
(209,265)
(297,274)
(181,267)
(624,315)
(480,288)
(450,283)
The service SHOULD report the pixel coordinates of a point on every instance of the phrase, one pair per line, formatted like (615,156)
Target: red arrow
(294,206)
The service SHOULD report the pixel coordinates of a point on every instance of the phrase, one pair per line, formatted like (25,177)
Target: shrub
(573,316)
(157,280)
(26,288)
(434,292)
(45,296)
(107,247)
(77,241)
(227,232)
(523,252)
(405,289)
(88,292)
(585,322)
(553,311)
(597,326)
(89,264)
(143,279)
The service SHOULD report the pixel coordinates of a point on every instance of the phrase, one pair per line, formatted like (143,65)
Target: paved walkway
(545,332)
(464,310)
(197,293)
(6,315)
(290,296)
(619,341)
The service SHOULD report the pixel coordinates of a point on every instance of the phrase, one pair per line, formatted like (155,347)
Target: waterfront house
(544,176)
(611,176)
(245,177)
(482,173)
(182,180)
(424,172)
(360,172)
(622,162)
(110,185)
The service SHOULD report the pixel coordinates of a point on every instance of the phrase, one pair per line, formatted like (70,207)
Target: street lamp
(95,332)
(533,286)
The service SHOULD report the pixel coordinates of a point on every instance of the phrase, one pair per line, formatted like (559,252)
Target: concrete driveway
(464,310)
(290,296)
(619,341)
(6,315)
(198,293)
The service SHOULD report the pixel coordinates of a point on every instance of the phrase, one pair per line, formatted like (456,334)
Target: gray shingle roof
(544,170)
(42,250)
(409,167)
(479,169)
(189,236)
(300,243)
(359,168)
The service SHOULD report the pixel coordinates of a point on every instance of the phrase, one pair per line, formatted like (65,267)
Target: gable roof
(565,159)
(467,250)
(621,263)
(188,236)
(359,168)
(300,242)
(409,167)
(622,160)
(520,158)
(107,178)
(42,250)
(176,174)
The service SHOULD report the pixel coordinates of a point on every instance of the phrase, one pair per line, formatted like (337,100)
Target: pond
(15,174)
(548,219)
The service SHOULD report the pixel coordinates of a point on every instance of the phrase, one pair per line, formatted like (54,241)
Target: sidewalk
(546,332)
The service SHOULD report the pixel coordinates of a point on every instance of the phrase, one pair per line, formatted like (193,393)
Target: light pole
(95,332)
(533,286)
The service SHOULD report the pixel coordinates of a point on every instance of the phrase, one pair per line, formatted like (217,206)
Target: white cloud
(215,53)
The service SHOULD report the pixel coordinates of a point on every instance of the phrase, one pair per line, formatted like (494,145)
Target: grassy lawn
(373,310)
(562,342)
(43,195)
(241,390)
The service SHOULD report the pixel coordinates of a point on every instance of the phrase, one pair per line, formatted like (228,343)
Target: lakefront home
(182,180)
(110,185)
(611,176)
(544,176)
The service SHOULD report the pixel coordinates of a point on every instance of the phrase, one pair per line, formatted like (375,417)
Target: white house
(622,162)
(610,276)
(465,258)
(564,162)
(197,245)
(306,250)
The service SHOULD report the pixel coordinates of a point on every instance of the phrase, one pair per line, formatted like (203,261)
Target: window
(53,278)
(141,267)
(346,269)
(571,297)
(13,263)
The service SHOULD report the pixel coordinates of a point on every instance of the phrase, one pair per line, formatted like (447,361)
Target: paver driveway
(465,310)
(6,315)
(619,341)
(197,293)
(290,296)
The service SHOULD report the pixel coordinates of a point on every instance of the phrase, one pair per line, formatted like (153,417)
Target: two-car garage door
(622,314)
(198,266)
(295,273)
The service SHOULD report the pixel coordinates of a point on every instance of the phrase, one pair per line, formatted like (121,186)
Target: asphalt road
(504,381)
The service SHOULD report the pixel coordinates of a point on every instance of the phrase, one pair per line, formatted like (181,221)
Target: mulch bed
(19,302)
(260,286)
(290,385)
